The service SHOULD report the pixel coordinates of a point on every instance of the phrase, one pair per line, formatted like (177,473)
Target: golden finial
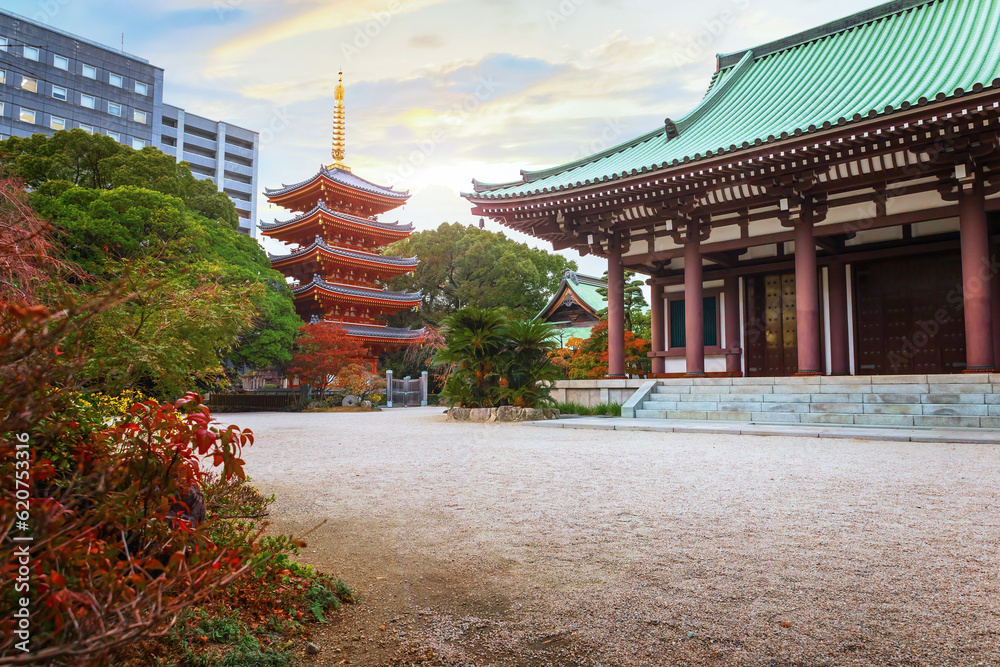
(339,128)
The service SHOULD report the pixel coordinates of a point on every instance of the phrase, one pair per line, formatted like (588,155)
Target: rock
(459,414)
(690,635)
(313,405)
(350,401)
(312,649)
(366,404)
(481,415)
(509,413)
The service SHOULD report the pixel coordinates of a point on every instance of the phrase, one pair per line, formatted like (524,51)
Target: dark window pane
(677,331)
(711,322)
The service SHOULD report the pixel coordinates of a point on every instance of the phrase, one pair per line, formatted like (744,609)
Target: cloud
(425,41)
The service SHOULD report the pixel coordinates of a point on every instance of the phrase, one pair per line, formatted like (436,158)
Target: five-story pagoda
(337,267)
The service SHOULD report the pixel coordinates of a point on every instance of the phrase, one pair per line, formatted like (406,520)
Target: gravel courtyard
(513,545)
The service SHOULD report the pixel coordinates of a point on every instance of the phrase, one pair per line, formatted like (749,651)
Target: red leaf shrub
(111,548)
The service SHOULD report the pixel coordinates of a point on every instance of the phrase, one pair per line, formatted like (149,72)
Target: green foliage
(497,361)
(603,409)
(98,162)
(464,266)
(636,315)
(202,291)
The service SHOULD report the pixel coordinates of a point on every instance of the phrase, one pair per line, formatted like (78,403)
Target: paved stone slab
(895,399)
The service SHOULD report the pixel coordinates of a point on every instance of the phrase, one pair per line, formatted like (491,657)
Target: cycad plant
(497,362)
(528,368)
(474,344)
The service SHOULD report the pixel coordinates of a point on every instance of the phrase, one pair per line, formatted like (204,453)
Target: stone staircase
(963,401)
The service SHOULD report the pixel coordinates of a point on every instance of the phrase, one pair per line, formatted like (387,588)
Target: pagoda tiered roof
(875,64)
(382,333)
(302,227)
(355,293)
(308,260)
(329,183)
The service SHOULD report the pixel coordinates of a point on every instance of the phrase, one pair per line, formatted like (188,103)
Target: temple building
(829,208)
(576,308)
(337,269)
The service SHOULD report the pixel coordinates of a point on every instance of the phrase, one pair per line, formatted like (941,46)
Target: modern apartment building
(53,80)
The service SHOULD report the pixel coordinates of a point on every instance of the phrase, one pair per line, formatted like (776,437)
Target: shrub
(497,361)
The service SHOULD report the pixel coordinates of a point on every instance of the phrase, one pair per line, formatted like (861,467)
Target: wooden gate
(910,319)
(771,326)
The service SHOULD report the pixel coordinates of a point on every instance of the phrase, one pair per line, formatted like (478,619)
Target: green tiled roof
(584,287)
(890,58)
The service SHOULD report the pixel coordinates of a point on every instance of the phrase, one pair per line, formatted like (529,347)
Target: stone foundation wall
(590,393)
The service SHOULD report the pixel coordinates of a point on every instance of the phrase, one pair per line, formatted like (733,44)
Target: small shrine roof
(881,61)
(583,286)
(342,177)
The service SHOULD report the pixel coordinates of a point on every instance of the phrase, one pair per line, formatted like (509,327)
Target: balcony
(199,160)
(192,140)
(239,168)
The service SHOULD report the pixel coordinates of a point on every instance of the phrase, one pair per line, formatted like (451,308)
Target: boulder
(481,415)
(350,401)
(509,413)
(366,404)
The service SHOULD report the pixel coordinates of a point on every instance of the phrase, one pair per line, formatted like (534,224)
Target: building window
(114,109)
(115,135)
(3,76)
(141,88)
(139,116)
(31,53)
(90,71)
(60,62)
(27,116)
(89,129)
(3,108)
(57,123)
(138,144)
(29,84)
(678,332)
(116,80)
(4,43)
(60,93)
(88,101)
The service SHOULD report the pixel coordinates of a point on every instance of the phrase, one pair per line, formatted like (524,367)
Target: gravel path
(512,545)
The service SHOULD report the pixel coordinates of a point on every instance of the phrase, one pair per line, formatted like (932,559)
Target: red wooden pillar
(807,297)
(995,269)
(734,352)
(616,315)
(840,354)
(694,321)
(977,279)
(659,342)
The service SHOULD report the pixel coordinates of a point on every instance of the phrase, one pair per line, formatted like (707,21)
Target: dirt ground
(473,544)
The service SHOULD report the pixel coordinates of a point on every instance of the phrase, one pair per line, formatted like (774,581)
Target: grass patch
(602,410)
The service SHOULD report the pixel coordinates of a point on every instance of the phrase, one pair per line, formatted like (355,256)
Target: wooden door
(909,315)
(771,327)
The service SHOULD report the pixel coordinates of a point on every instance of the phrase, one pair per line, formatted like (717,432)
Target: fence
(251,402)
(406,392)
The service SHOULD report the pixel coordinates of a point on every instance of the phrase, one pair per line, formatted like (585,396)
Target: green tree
(463,266)
(168,254)
(98,162)
(636,315)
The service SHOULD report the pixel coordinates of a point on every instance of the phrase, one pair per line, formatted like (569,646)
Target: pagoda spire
(339,128)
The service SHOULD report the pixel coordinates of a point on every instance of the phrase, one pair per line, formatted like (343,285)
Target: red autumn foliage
(112,555)
(590,361)
(26,247)
(324,351)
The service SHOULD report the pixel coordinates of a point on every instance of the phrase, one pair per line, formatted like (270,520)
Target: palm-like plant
(496,362)
(474,342)
(528,369)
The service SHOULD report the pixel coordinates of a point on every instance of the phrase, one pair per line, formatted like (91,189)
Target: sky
(438,91)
